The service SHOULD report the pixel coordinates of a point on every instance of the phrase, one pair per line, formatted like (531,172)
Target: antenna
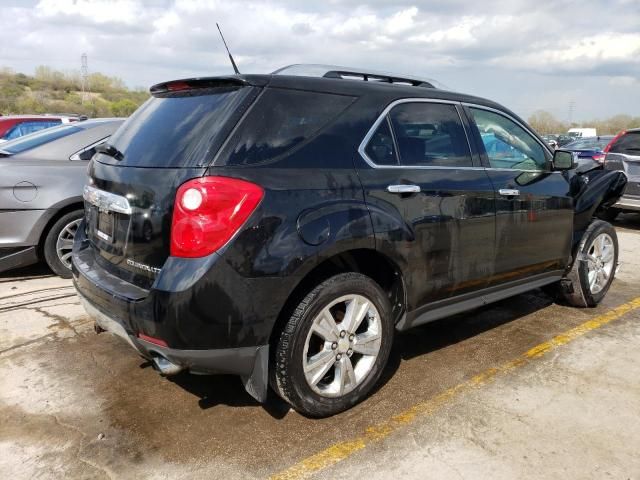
(235,68)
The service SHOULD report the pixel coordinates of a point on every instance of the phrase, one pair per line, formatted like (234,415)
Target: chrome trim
(403,188)
(627,203)
(76,156)
(382,116)
(106,201)
(509,192)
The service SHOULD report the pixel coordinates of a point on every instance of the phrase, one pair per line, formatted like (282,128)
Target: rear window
(178,130)
(34,140)
(628,144)
(281,121)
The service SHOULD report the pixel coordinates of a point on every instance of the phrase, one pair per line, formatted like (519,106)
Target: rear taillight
(208,211)
(599,157)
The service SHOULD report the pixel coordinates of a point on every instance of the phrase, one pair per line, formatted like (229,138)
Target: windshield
(595,143)
(37,139)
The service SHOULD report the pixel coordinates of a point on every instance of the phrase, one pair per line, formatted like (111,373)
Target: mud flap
(257,383)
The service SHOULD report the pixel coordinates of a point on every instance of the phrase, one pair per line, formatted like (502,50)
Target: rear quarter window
(282,120)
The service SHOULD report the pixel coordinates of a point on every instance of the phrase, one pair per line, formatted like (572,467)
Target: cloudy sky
(526,54)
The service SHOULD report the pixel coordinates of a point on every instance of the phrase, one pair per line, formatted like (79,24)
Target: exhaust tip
(165,367)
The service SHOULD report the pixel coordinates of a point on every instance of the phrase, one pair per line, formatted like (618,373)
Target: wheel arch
(60,210)
(369,262)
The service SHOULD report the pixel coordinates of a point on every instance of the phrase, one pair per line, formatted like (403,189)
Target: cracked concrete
(78,405)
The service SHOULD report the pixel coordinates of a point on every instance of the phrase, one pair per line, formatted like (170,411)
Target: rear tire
(594,268)
(58,243)
(334,346)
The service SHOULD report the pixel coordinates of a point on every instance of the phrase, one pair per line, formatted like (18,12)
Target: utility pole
(572,106)
(84,77)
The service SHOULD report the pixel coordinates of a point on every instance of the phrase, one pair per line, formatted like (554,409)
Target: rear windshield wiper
(110,150)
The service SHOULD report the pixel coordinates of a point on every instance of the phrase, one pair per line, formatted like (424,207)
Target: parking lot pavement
(524,388)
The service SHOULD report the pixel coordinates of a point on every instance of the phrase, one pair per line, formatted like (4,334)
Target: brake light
(208,211)
(599,157)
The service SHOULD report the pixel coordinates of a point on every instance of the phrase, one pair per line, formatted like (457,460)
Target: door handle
(509,192)
(403,188)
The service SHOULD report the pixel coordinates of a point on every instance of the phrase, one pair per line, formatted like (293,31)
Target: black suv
(298,221)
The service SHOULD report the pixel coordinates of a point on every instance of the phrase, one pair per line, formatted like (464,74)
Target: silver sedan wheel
(64,244)
(342,345)
(600,258)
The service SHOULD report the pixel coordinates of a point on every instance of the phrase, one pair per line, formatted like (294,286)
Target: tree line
(53,91)
(544,122)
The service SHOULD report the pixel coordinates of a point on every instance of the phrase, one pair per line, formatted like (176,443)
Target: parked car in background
(305,219)
(590,151)
(15,126)
(41,192)
(623,153)
(557,140)
(582,132)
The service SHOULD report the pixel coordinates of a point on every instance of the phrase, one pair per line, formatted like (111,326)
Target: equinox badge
(142,266)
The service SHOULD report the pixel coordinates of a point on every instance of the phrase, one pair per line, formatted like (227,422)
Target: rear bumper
(200,308)
(628,202)
(235,361)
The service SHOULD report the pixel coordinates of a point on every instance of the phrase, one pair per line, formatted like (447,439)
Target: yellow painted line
(342,450)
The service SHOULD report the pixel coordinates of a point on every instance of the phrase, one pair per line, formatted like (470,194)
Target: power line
(572,106)
(84,77)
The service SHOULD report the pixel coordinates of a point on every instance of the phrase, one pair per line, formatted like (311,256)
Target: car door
(431,202)
(534,212)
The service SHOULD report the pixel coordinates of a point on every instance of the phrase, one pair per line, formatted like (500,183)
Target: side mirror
(562,160)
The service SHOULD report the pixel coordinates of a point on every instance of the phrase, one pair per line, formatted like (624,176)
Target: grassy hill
(51,91)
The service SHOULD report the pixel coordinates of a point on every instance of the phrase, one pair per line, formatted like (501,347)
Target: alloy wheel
(64,244)
(342,345)
(600,259)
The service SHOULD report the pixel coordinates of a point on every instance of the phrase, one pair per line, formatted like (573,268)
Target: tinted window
(282,120)
(507,144)
(629,144)
(25,128)
(430,134)
(380,148)
(178,130)
(23,144)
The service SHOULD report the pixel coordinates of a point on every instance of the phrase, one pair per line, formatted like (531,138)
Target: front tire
(595,266)
(59,242)
(334,346)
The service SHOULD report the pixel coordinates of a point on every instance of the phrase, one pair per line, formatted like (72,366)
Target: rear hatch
(133,180)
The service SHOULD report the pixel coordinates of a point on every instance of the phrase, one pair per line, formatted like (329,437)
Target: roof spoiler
(196,84)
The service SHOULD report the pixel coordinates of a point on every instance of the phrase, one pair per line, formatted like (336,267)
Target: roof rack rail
(376,77)
(347,73)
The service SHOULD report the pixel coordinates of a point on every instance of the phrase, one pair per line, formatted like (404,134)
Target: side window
(282,120)
(14,132)
(380,148)
(507,144)
(430,134)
